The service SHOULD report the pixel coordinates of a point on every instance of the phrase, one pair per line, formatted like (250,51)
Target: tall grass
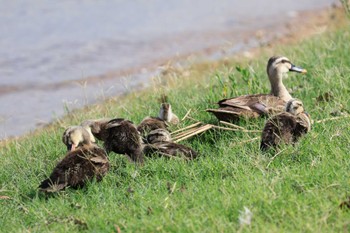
(297,191)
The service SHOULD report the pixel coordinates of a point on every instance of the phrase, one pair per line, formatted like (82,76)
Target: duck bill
(298,69)
(71,147)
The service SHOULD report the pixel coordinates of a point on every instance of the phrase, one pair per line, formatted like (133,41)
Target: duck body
(158,135)
(257,105)
(122,137)
(119,135)
(247,106)
(151,123)
(285,127)
(76,168)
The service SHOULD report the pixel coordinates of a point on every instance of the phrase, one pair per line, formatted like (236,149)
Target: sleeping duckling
(119,135)
(82,163)
(158,135)
(253,106)
(286,127)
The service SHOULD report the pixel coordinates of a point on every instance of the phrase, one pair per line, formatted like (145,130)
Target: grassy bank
(299,190)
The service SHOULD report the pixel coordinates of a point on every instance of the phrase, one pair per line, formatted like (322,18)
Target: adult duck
(253,106)
(286,127)
(83,162)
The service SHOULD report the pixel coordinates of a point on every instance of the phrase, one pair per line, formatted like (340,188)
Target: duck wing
(248,106)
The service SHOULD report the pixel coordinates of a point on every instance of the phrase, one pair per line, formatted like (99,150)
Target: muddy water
(72,53)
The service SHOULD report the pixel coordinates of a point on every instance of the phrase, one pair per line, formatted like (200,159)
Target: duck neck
(165,114)
(278,89)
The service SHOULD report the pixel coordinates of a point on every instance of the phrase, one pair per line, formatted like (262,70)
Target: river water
(69,53)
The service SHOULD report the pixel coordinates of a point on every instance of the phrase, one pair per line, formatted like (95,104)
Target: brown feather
(76,168)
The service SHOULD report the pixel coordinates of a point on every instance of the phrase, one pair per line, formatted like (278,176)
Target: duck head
(294,106)
(76,136)
(282,65)
(277,67)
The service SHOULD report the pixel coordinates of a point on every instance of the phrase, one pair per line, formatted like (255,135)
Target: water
(57,53)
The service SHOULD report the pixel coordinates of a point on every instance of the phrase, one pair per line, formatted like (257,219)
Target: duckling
(167,114)
(82,163)
(165,117)
(119,135)
(253,106)
(151,123)
(286,127)
(158,135)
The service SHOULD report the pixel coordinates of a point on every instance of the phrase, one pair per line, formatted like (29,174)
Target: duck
(286,127)
(159,142)
(257,105)
(83,162)
(165,118)
(119,135)
(166,114)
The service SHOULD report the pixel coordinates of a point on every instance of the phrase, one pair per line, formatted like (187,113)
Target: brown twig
(199,130)
(232,125)
(332,119)
(182,134)
(188,112)
(187,127)
(237,130)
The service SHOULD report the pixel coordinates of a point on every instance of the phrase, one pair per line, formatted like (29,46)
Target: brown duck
(253,106)
(165,117)
(82,163)
(119,135)
(286,127)
(158,135)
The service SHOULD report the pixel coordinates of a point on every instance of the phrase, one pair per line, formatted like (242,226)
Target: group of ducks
(85,160)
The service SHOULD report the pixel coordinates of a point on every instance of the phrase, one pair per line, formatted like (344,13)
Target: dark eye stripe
(284,61)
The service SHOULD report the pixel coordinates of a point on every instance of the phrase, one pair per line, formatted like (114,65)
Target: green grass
(298,191)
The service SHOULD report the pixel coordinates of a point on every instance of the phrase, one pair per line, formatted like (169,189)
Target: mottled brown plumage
(84,162)
(123,138)
(286,127)
(253,106)
(158,135)
(119,135)
(150,123)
